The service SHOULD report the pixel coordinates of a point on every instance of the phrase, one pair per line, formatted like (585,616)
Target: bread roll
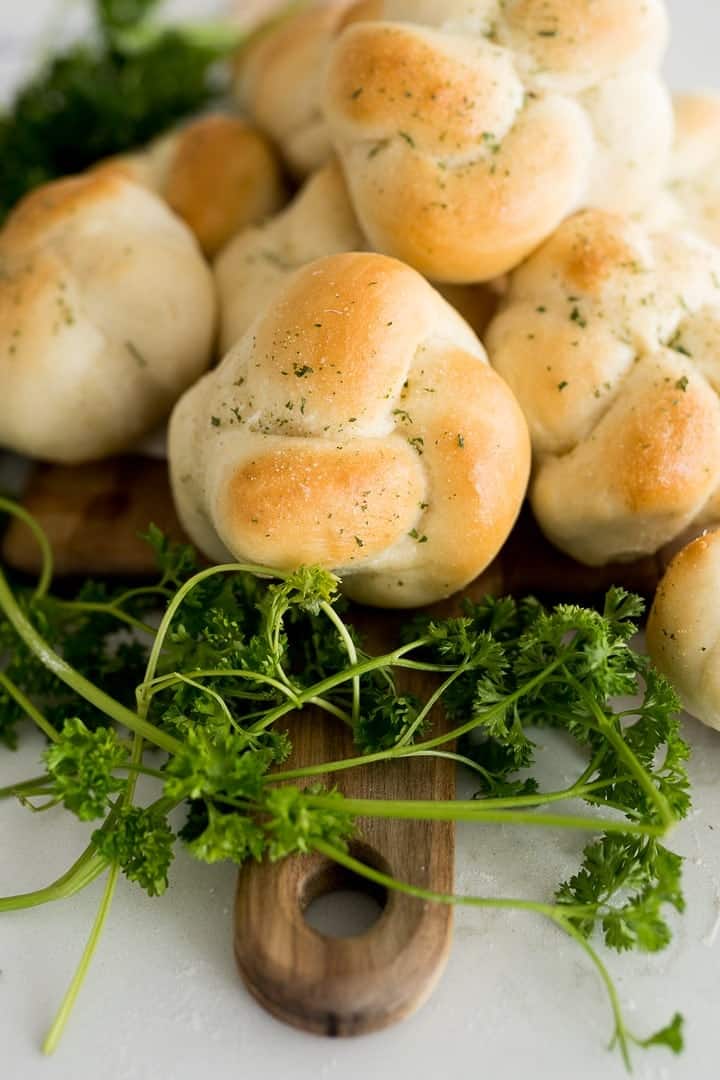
(255,265)
(217,173)
(107,313)
(279,82)
(253,15)
(691,198)
(469,130)
(610,339)
(356,425)
(320,221)
(683,631)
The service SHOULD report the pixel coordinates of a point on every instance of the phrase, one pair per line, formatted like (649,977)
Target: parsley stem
(475,810)
(164,682)
(593,767)
(497,709)
(363,667)
(429,704)
(179,597)
(24,787)
(68,1003)
(454,899)
(460,759)
(66,1007)
(142,590)
(420,665)
(620,1036)
(273,634)
(72,678)
(213,694)
(52,800)
(396,751)
(99,608)
(349,644)
(334,710)
(142,770)
(28,708)
(9,507)
(607,728)
(82,873)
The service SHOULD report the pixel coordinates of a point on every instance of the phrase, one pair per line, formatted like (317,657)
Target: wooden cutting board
(93,515)
(352,985)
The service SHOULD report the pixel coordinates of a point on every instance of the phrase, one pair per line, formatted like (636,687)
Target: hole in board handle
(337,903)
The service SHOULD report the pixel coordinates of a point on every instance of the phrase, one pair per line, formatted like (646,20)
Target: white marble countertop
(163,1000)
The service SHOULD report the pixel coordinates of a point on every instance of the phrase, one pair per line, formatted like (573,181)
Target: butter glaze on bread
(107,313)
(469,130)
(217,173)
(683,631)
(357,425)
(610,339)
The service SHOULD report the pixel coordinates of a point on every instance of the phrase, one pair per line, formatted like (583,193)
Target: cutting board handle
(345,986)
(351,985)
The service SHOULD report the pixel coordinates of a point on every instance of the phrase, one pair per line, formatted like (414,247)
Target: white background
(163,1001)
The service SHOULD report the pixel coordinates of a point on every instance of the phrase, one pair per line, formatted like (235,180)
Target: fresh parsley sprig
(239,648)
(129,81)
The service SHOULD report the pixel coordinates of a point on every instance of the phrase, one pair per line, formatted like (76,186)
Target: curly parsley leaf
(82,765)
(213,765)
(228,836)
(293,826)
(141,841)
(624,884)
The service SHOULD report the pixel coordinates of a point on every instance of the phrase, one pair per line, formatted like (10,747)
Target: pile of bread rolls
(445,253)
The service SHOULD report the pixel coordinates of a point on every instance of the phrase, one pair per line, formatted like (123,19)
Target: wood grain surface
(349,986)
(93,516)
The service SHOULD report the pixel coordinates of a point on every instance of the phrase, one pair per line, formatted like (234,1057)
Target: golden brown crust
(593,253)
(466,133)
(319,221)
(466,143)
(428,212)
(352,501)
(51,205)
(348,333)
(217,173)
(661,451)
(608,338)
(356,424)
(476,456)
(394,78)
(574,35)
(223,177)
